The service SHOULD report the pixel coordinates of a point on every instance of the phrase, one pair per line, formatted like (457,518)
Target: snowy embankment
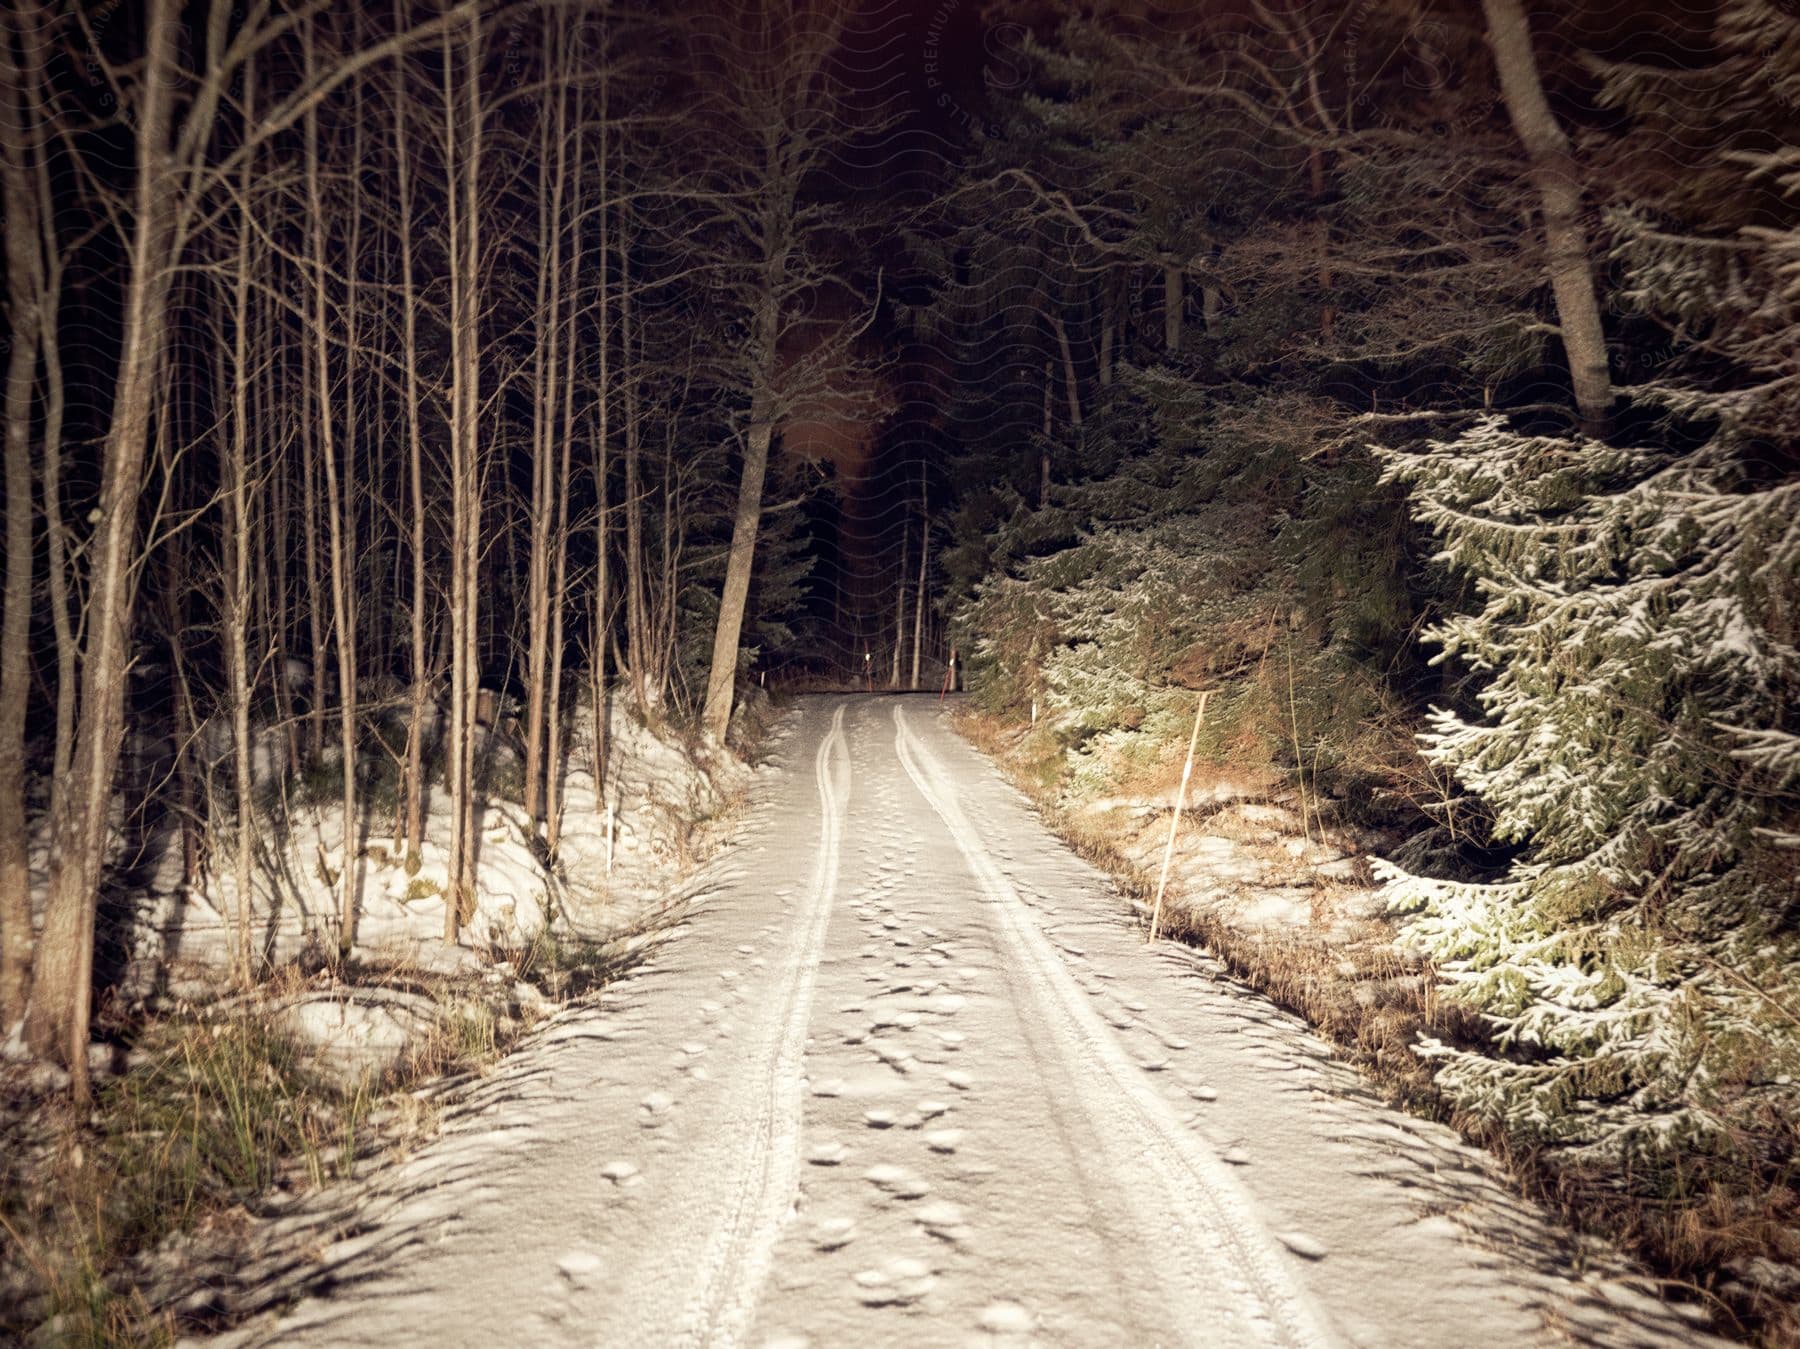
(624,843)
(618,841)
(1252,862)
(1290,905)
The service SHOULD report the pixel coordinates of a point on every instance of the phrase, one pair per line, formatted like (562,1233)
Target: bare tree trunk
(62,625)
(336,508)
(598,622)
(637,636)
(602,522)
(1107,331)
(1070,389)
(239,504)
(22,27)
(1555,177)
(464,159)
(1044,454)
(722,681)
(919,594)
(543,378)
(56,1020)
(559,580)
(899,611)
(174,568)
(312,414)
(278,620)
(416,787)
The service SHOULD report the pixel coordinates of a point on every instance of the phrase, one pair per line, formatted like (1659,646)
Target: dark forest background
(1420,378)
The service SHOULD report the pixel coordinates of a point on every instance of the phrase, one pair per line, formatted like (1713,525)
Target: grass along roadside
(1721,1230)
(223,1113)
(133,1223)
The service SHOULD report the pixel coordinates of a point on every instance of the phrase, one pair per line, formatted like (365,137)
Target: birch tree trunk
(1555,177)
(336,512)
(559,579)
(56,1022)
(721,682)
(637,635)
(238,489)
(899,611)
(919,594)
(22,30)
(463,155)
(416,787)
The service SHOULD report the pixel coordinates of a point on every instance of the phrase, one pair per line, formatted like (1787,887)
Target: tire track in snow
(736,1259)
(1169,1176)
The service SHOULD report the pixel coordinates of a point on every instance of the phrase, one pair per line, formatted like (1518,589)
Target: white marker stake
(1187,771)
(612,811)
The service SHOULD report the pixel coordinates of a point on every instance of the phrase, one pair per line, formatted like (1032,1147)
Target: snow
(655,788)
(1249,1191)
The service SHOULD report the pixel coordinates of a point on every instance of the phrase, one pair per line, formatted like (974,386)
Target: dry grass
(1690,1218)
(219,1110)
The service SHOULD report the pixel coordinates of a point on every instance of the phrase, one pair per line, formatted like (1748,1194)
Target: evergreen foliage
(1636,646)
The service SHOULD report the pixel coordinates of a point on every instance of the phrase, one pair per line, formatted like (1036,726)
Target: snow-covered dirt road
(907,1074)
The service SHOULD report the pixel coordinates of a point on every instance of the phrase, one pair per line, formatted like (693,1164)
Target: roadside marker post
(949,675)
(1187,771)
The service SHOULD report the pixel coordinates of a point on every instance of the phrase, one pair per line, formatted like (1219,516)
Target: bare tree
(24,33)
(782,99)
(462,158)
(1557,181)
(57,1016)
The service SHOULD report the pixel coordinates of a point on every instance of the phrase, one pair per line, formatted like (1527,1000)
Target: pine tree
(1636,647)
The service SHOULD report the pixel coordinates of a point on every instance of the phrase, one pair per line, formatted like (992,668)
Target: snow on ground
(906,1073)
(655,790)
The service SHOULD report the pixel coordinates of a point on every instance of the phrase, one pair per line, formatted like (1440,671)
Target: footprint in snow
(932,1109)
(944,1220)
(897,1181)
(957,1078)
(580,1268)
(1236,1156)
(1005,1318)
(896,1283)
(1302,1245)
(831,1233)
(879,1119)
(831,1086)
(944,1140)
(654,1108)
(623,1174)
(827,1152)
